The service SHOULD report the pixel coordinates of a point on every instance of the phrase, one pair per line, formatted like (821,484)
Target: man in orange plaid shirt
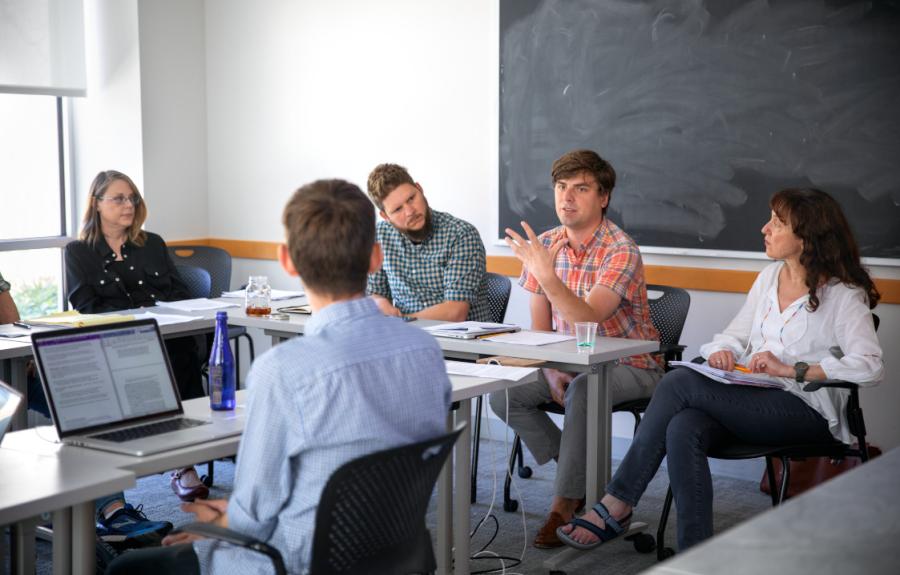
(586,269)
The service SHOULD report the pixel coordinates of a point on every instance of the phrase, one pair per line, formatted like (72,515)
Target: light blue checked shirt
(356,383)
(448,266)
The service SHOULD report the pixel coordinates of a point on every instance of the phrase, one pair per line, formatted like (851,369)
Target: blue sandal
(612,529)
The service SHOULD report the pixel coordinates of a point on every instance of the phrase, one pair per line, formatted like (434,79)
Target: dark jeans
(179,559)
(690,414)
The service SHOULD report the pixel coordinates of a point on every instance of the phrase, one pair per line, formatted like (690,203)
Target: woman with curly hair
(814,297)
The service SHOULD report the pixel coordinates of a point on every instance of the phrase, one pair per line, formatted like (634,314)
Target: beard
(422,234)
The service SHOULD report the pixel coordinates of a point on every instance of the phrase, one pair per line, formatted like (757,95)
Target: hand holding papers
(732,377)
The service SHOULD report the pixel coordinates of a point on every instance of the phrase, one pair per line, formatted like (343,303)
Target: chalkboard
(705,109)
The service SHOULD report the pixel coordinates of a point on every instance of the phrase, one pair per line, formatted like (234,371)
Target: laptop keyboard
(150,429)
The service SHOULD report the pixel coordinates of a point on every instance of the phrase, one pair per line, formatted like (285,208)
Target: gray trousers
(569,446)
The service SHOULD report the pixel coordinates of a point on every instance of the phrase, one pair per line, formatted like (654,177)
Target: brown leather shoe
(185,492)
(546,537)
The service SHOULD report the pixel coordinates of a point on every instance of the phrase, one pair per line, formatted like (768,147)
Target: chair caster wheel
(510,506)
(206,480)
(643,542)
(525,472)
(665,553)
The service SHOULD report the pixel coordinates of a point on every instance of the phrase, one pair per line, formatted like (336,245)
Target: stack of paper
(276,295)
(732,377)
(73,318)
(166,319)
(198,304)
(489,370)
(530,338)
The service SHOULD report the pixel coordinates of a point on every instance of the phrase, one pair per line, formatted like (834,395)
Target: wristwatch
(800,369)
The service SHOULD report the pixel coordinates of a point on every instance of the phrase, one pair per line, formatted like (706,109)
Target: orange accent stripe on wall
(733,281)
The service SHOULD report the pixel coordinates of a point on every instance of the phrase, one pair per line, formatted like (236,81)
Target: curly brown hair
(384,179)
(829,248)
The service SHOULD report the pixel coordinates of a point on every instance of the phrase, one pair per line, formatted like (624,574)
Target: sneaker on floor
(130,523)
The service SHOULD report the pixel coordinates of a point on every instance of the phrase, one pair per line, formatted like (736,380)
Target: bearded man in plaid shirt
(586,269)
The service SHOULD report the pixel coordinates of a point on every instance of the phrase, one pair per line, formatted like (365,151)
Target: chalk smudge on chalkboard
(704,109)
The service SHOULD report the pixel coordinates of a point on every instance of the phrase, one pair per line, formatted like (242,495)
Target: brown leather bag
(811,471)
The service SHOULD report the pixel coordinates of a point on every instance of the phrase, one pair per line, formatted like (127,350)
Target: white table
(847,525)
(94,473)
(32,484)
(563,355)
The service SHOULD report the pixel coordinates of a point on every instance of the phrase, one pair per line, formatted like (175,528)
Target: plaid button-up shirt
(448,266)
(610,258)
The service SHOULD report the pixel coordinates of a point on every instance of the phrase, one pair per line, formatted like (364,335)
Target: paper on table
(73,318)
(489,370)
(165,318)
(732,377)
(198,304)
(529,338)
(276,294)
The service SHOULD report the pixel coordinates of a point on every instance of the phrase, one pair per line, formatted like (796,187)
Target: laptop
(111,387)
(470,329)
(10,399)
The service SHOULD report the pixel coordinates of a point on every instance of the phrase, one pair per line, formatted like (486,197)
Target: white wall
(173,111)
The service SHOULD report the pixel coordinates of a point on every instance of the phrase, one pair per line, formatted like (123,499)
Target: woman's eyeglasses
(120,201)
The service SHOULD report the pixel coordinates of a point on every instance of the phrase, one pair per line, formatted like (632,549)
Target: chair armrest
(229,536)
(816,385)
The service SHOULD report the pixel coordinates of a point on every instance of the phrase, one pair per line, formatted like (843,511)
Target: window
(33,220)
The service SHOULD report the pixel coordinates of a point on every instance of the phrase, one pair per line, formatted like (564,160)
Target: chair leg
(785,479)
(637,419)
(662,552)
(476,442)
(510,504)
(209,478)
(770,472)
(237,363)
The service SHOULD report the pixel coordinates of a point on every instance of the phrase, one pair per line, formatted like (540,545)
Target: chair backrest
(197,280)
(216,261)
(371,516)
(498,288)
(668,312)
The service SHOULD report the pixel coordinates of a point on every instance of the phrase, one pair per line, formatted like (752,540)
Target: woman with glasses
(115,265)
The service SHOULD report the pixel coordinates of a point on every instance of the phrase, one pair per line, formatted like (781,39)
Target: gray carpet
(735,501)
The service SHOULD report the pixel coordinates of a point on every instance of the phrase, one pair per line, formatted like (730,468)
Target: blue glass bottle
(221,367)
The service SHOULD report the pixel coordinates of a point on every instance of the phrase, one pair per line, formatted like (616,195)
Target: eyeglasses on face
(120,201)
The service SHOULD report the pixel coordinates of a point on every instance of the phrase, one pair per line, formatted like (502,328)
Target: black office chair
(785,453)
(668,313)
(498,289)
(371,515)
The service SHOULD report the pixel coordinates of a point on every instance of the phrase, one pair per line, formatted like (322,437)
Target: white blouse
(843,319)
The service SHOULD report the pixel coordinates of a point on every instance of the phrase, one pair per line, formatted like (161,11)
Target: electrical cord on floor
(483,554)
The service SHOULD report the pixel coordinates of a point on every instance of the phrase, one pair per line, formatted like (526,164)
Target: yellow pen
(741,368)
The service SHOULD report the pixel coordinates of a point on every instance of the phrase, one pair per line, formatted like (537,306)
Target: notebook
(470,329)
(10,399)
(111,387)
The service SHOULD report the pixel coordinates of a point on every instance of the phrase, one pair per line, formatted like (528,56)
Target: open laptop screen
(107,375)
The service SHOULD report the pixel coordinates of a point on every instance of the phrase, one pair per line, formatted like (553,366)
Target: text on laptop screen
(107,376)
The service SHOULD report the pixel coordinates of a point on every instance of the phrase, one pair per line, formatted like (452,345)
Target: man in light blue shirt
(356,383)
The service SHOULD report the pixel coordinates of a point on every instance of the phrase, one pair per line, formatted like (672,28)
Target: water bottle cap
(221,315)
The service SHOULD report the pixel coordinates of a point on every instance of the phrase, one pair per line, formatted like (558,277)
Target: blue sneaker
(130,523)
